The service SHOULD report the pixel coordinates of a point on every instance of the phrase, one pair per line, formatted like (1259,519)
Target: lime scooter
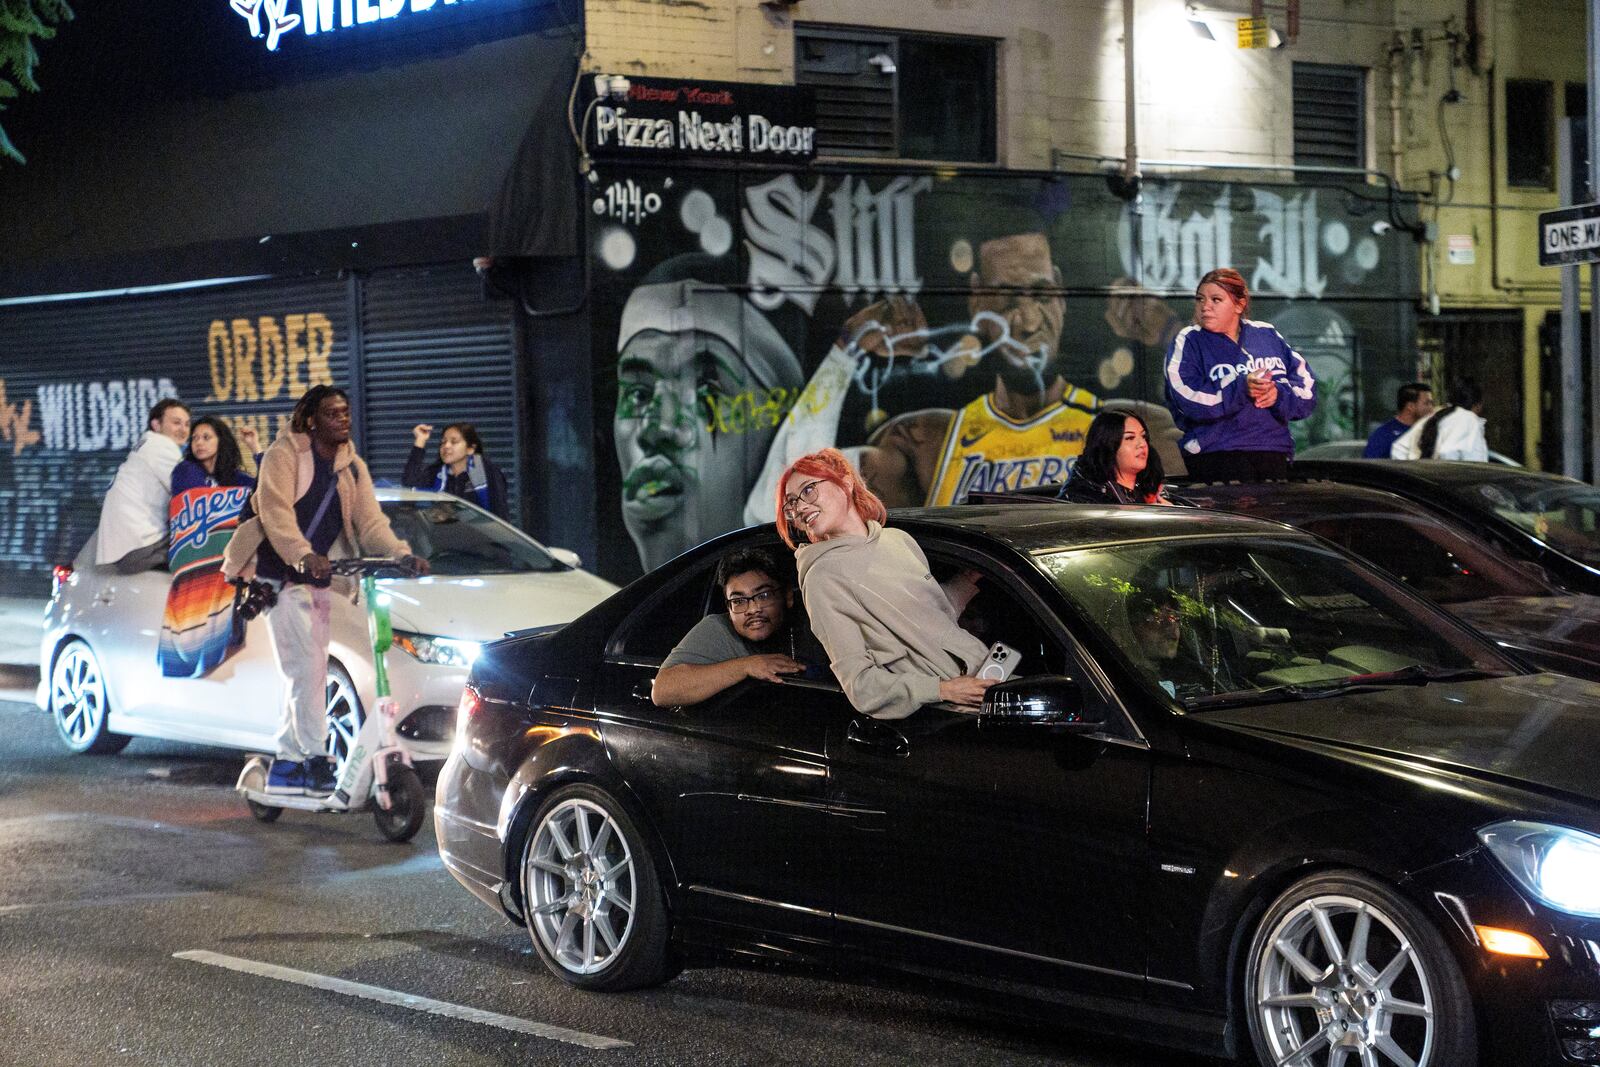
(376,769)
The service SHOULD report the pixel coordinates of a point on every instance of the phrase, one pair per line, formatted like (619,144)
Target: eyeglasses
(738,605)
(806,495)
(1163,615)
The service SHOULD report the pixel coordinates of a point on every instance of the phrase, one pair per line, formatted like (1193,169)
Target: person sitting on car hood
(761,636)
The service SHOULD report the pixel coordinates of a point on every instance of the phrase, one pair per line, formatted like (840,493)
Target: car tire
(592,902)
(345,716)
(1341,961)
(78,703)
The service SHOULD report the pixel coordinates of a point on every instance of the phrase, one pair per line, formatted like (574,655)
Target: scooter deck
(324,803)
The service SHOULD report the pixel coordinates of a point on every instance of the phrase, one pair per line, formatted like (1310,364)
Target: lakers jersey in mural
(984,451)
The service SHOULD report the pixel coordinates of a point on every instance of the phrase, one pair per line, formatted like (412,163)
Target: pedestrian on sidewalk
(132,535)
(463,468)
(1455,431)
(1412,403)
(313,488)
(1234,386)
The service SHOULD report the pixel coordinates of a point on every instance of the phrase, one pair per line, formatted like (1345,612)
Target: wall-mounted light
(1201,30)
(614,86)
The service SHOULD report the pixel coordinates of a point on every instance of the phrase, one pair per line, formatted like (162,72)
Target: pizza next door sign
(660,119)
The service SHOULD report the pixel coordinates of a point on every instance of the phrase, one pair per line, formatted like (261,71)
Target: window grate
(1330,115)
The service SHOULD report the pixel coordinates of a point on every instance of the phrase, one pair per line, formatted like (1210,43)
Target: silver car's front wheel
(592,900)
(1343,971)
(78,702)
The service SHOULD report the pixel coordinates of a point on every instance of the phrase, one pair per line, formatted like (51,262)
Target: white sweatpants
(298,624)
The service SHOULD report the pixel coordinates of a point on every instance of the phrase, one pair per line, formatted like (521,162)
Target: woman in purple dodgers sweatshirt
(1234,386)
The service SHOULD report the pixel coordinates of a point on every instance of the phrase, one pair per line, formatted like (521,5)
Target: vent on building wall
(855,96)
(1330,105)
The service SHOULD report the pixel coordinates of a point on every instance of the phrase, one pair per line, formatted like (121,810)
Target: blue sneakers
(286,778)
(320,776)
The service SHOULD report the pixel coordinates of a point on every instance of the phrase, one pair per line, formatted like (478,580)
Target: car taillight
(468,707)
(58,577)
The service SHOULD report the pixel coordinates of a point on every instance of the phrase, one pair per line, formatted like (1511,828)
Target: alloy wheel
(78,696)
(1338,983)
(345,716)
(581,887)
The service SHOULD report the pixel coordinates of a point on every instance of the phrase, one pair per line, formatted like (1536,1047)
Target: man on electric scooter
(312,488)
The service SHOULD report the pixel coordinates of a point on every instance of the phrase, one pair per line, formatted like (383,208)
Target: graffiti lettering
(1291,231)
(627,202)
(1173,252)
(870,253)
(98,416)
(262,361)
(754,409)
(16,425)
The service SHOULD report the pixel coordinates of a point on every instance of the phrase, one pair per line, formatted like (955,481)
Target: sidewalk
(21,627)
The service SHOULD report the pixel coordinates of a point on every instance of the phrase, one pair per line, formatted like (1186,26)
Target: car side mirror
(1040,700)
(566,556)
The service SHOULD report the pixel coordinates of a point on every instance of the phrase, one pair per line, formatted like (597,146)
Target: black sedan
(1533,515)
(1249,796)
(1435,555)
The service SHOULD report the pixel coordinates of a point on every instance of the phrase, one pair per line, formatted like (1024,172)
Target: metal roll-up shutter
(79,377)
(436,350)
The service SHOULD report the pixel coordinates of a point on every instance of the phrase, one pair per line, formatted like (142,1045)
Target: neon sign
(271,19)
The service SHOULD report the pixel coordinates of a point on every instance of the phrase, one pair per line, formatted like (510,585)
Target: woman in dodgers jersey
(1234,386)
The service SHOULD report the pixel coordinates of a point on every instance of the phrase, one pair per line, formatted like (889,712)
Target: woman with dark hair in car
(212,458)
(463,469)
(1117,466)
(889,629)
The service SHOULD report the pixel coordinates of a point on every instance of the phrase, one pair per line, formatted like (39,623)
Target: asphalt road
(109,866)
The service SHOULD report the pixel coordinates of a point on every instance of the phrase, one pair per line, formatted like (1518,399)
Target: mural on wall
(951,332)
(73,405)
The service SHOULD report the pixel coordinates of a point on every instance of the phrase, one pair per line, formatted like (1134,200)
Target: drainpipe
(1130,122)
(1397,52)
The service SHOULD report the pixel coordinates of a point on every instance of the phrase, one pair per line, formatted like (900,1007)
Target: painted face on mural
(1025,305)
(698,377)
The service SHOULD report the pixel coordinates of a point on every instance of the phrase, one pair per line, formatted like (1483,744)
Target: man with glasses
(763,635)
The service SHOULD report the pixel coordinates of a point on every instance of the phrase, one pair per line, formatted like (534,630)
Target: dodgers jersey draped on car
(987,452)
(1210,398)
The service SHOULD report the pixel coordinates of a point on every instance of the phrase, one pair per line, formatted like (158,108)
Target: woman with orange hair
(890,630)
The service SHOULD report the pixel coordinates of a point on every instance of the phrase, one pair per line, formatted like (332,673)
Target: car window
(1428,556)
(1564,514)
(1200,618)
(459,540)
(656,627)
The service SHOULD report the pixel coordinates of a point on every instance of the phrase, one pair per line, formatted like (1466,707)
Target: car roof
(395,492)
(1053,525)
(1446,473)
(1312,497)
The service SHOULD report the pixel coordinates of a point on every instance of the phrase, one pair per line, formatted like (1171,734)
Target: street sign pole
(1594,269)
(1572,446)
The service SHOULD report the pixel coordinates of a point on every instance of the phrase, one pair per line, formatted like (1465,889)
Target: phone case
(1001,662)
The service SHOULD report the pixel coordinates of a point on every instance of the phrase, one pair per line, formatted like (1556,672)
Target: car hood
(487,607)
(1562,626)
(1532,731)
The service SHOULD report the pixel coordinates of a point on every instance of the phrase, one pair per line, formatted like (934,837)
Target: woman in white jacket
(1452,432)
(889,629)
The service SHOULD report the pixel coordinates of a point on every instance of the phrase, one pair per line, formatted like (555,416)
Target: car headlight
(445,651)
(1559,866)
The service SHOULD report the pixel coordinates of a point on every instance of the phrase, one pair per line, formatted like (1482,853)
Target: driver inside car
(1178,650)
(763,635)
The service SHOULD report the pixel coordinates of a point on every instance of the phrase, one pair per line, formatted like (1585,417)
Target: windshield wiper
(1415,674)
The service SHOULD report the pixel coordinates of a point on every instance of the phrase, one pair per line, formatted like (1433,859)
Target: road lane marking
(403,1000)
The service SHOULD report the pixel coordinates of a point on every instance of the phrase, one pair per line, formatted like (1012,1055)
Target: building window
(1330,109)
(1530,141)
(897,95)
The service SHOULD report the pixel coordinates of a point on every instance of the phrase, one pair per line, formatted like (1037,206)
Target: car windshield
(1427,556)
(458,540)
(1558,511)
(1253,620)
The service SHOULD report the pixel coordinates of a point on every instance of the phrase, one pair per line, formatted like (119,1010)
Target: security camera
(614,86)
(883,62)
(1381,227)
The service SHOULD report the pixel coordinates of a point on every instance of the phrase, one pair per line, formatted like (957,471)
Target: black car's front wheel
(1344,970)
(592,901)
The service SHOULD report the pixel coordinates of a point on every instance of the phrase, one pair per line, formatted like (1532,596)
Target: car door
(738,782)
(1004,854)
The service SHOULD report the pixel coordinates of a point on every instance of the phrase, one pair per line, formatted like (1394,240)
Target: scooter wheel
(256,778)
(404,817)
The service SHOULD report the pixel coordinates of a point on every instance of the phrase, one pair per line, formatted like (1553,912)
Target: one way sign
(1571,235)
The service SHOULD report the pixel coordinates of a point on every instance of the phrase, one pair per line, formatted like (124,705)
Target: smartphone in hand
(1001,662)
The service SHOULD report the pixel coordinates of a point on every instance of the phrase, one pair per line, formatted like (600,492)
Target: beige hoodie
(889,629)
(286,472)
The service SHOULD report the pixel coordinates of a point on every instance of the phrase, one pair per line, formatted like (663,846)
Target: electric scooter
(376,772)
